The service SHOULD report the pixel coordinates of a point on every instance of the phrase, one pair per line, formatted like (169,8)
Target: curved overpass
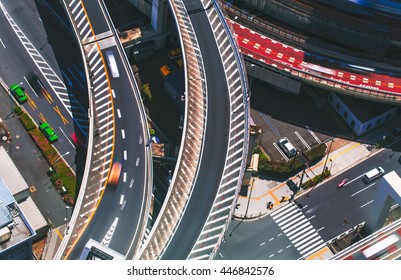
(215,139)
(115,216)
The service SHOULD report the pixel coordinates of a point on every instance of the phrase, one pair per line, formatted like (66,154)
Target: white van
(373,174)
(112,64)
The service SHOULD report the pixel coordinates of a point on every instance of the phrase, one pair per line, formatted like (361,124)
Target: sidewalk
(344,154)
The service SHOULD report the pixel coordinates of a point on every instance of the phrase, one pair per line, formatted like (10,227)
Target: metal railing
(223,206)
(192,140)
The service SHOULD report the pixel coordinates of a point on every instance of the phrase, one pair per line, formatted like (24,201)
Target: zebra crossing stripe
(298,229)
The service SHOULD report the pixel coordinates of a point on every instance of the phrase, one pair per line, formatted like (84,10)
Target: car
(48,131)
(343,182)
(111,61)
(373,174)
(287,147)
(167,69)
(115,173)
(175,53)
(19,93)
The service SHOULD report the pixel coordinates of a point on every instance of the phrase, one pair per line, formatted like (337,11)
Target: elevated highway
(114,216)
(297,60)
(212,157)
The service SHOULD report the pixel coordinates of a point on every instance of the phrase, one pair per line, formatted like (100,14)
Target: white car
(287,147)
(112,64)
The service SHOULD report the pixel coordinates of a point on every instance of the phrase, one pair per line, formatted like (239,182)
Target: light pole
(246,210)
(327,157)
(67,153)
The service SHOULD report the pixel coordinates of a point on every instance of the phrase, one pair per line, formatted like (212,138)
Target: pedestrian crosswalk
(298,229)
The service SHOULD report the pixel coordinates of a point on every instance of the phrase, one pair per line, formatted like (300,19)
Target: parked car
(175,53)
(48,131)
(19,93)
(287,147)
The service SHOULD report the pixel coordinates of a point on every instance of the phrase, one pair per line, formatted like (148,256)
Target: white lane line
(313,134)
(302,140)
(288,246)
(280,151)
(123,133)
(280,251)
(131,183)
(320,229)
(125,155)
(137,161)
(272,255)
(113,93)
(30,87)
(67,137)
(119,113)
(140,139)
(271,239)
(125,177)
(355,179)
(107,238)
(261,244)
(4,46)
(366,203)
(121,199)
(362,190)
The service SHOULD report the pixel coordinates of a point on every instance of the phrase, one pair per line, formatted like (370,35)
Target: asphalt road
(325,210)
(215,143)
(118,220)
(16,64)
(298,118)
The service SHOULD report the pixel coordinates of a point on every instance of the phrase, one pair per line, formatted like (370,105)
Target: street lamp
(246,210)
(327,157)
(67,153)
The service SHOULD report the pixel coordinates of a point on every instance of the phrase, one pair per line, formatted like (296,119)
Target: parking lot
(298,118)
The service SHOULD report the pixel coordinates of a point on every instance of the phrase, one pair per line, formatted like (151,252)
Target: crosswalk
(298,229)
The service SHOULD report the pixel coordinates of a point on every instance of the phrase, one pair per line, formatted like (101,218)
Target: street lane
(322,216)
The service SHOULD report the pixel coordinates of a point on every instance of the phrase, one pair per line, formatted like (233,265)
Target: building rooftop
(10,174)
(12,219)
(364,110)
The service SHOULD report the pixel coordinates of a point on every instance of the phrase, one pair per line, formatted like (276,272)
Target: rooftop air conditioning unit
(5,234)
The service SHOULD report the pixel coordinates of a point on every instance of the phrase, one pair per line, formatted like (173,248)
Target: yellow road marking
(270,192)
(47,96)
(318,253)
(59,234)
(276,201)
(57,109)
(42,117)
